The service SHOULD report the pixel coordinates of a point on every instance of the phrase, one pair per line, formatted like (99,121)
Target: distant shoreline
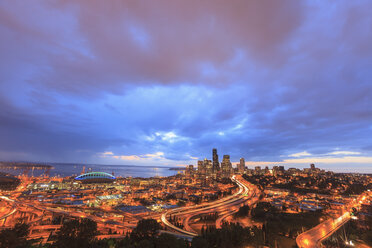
(177,168)
(50,165)
(25,165)
(71,169)
(53,165)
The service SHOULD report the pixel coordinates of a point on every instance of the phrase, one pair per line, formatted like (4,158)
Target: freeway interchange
(247,194)
(225,207)
(37,212)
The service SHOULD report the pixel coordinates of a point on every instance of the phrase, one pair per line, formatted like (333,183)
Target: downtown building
(213,169)
(241,166)
(209,169)
(226,167)
(216,163)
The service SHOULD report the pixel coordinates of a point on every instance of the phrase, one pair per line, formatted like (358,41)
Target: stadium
(8,182)
(95,177)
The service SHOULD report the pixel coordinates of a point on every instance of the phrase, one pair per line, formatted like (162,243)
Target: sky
(163,82)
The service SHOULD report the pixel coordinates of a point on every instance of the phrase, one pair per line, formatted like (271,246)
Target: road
(313,237)
(226,206)
(103,221)
(8,214)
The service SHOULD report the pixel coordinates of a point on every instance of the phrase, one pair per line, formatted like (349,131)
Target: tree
(145,244)
(284,207)
(229,236)
(199,242)
(170,241)
(242,212)
(367,237)
(144,202)
(262,210)
(124,243)
(145,229)
(15,237)
(76,234)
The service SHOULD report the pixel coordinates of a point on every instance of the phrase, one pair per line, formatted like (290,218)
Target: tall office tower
(216,163)
(189,172)
(257,170)
(241,166)
(201,168)
(275,170)
(208,166)
(312,166)
(226,167)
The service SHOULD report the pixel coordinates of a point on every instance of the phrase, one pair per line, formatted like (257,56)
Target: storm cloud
(163,82)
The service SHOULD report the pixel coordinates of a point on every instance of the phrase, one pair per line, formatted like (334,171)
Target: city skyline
(164,83)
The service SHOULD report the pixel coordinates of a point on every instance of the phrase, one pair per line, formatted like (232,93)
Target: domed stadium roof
(8,181)
(95,177)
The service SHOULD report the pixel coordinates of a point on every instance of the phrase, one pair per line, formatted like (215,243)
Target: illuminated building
(95,177)
(216,163)
(257,170)
(8,182)
(226,167)
(189,172)
(201,169)
(208,166)
(241,166)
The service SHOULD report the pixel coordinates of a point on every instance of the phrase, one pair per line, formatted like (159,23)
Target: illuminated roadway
(11,211)
(227,205)
(313,237)
(8,214)
(77,214)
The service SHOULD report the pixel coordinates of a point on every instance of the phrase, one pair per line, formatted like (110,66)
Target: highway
(313,237)
(100,220)
(227,206)
(247,193)
(8,214)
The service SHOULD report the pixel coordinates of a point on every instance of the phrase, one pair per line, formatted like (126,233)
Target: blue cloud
(134,83)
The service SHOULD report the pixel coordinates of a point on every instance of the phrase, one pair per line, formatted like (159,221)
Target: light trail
(8,214)
(313,237)
(217,206)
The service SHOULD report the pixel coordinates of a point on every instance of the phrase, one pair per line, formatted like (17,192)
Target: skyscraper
(216,163)
(257,170)
(189,172)
(208,166)
(226,167)
(201,169)
(241,166)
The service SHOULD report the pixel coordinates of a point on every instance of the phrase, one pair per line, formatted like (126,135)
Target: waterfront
(65,170)
(308,204)
(186,124)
